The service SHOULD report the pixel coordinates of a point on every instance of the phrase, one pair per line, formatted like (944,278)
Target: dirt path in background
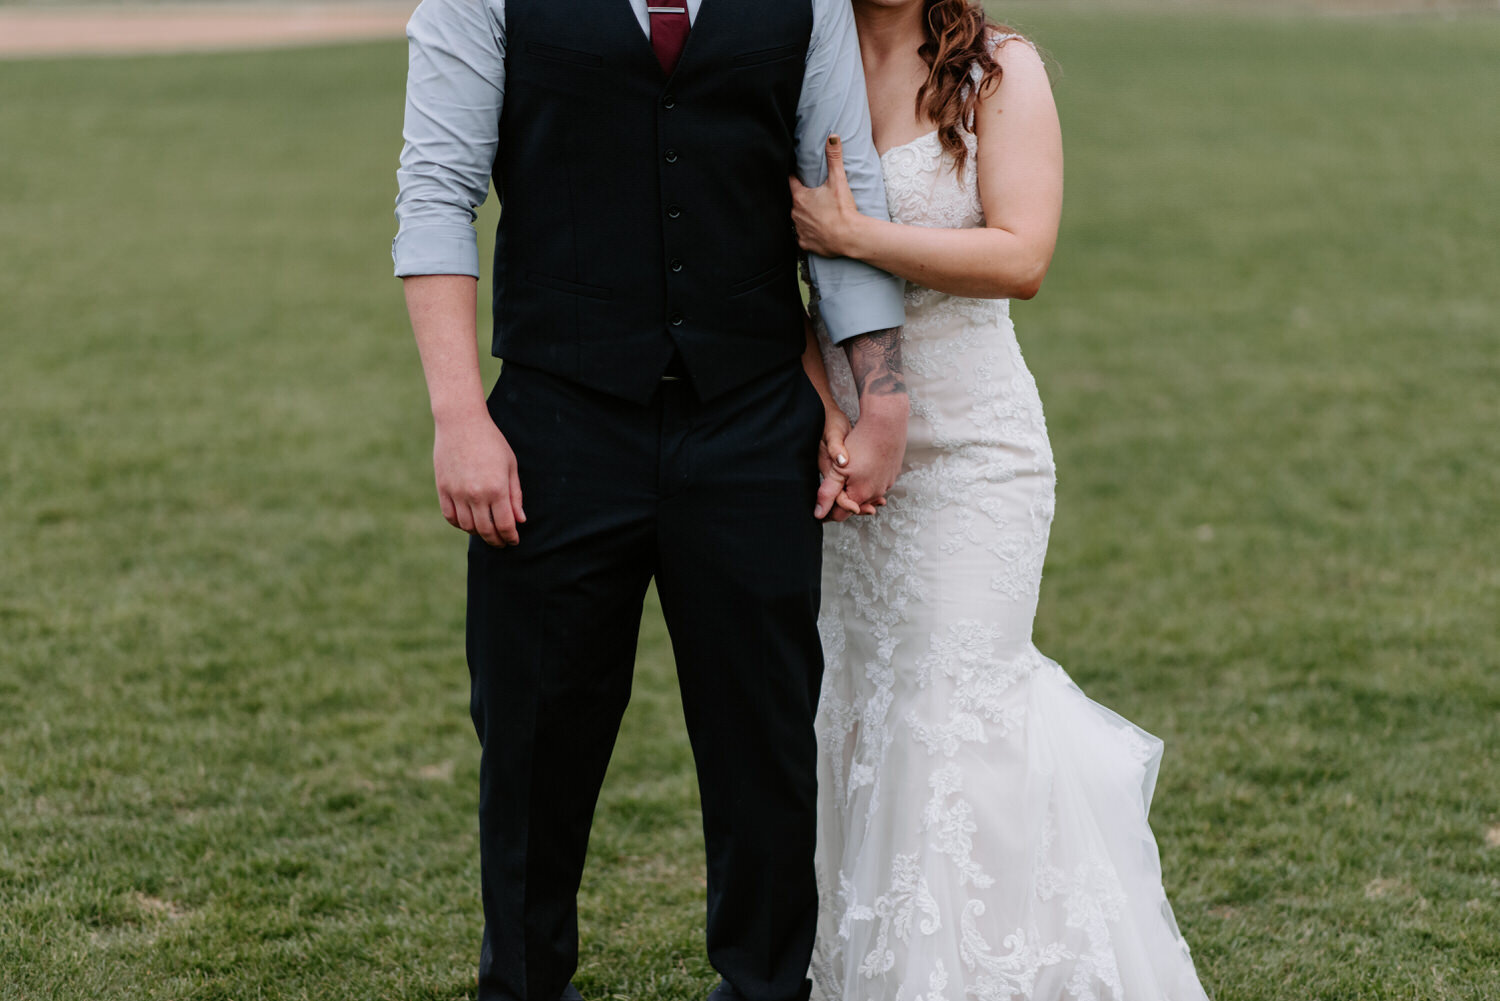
(59,31)
(187,27)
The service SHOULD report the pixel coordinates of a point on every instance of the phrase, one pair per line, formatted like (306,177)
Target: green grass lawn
(235,755)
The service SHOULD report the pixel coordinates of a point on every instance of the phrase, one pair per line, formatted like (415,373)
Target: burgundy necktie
(669,31)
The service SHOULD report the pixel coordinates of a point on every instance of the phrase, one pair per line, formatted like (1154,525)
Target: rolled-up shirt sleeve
(455,88)
(853,297)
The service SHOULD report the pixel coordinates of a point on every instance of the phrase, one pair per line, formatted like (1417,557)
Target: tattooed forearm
(875,360)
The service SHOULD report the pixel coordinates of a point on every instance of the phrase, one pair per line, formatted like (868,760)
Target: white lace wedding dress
(982,828)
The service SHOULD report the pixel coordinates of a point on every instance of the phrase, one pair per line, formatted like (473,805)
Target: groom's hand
(877,446)
(478,483)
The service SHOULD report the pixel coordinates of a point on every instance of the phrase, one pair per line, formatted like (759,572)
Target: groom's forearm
(875,360)
(442,309)
(878,442)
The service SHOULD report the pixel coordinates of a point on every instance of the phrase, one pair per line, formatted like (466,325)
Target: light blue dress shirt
(455,88)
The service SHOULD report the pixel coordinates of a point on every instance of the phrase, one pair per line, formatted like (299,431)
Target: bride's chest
(922,187)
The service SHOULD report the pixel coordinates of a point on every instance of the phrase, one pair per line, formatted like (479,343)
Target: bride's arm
(1020,187)
(817,374)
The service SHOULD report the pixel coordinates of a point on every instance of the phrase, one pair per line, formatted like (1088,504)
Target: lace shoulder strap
(996,40)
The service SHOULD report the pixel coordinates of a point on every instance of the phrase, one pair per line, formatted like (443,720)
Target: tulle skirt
(1003,853)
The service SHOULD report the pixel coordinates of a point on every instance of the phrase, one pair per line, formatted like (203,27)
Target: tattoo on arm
(875,360)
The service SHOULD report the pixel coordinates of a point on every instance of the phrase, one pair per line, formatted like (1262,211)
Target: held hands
(826,217)
(859,464)
(477,481)
(834,503)
(876,448)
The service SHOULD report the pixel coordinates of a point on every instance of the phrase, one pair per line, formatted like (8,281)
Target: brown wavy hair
(957,39)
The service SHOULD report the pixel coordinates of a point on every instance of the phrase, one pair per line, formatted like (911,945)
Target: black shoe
(570,993)
(724,992)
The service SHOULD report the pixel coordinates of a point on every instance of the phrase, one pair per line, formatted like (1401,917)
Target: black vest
(642,214)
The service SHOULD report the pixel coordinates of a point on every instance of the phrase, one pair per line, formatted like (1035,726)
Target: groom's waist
(615,316)
(595,350)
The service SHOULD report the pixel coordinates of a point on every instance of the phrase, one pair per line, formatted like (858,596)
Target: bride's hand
(834,503)
(826,217)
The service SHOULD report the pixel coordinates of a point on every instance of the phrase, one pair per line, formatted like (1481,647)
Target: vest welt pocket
(758,280)
(571,288)
(759,56)
(559,54)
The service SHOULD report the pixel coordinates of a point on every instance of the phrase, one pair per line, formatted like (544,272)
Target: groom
(653,408)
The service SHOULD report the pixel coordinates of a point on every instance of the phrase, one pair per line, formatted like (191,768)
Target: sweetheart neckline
(910,142)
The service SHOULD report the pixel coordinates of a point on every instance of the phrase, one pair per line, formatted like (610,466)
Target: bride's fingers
(833,444)
(837,180)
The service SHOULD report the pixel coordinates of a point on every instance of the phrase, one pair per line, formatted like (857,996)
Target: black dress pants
(714,500)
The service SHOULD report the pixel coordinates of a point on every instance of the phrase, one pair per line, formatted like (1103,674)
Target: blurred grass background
(235,756)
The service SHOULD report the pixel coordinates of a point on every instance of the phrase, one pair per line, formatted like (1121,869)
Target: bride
(982,828)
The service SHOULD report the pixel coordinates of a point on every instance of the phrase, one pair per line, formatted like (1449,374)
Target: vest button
(676,264)
(676,319)
(669,102)
(671,156)
(673,211)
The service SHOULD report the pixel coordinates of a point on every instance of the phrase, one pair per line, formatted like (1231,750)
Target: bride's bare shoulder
(1015,52)
(1023,73)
